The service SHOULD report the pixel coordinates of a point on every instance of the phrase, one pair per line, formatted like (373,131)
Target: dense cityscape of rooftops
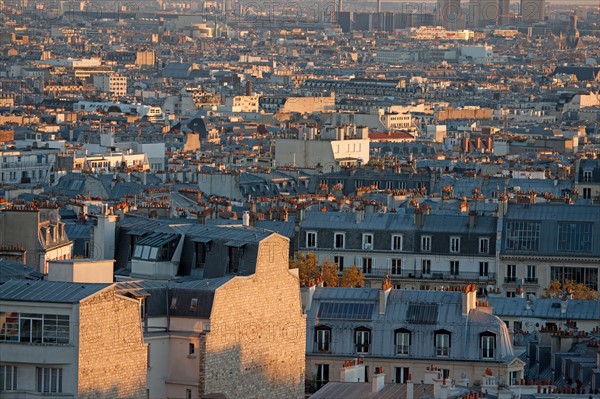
(284,200)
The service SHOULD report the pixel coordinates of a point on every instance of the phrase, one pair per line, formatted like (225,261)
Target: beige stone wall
(256,347)
(112,353)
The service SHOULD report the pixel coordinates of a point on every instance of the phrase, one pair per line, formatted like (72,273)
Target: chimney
(410,388)
(469,299)
(378,382)
(472,219)
(418,218)
(246,218)
(306,295)
(384,293)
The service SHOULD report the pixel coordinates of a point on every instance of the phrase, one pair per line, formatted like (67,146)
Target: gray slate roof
(545,308)
(47,291)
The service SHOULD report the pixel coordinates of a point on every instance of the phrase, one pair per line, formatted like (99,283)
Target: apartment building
(30,165)
(417,250)
(541,243)
(70,340)
(115,85)
(37,232)
(403,333)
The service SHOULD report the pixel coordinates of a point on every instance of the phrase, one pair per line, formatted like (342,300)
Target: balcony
(407,275)
(401,350)
(510,280)
(531,280)
(321,347)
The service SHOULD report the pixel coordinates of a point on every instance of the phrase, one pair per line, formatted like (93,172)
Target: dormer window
(487,343)
(367,241)
(442,343)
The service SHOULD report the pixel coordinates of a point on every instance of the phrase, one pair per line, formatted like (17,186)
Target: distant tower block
(378,6)
(248,88)
(340,3)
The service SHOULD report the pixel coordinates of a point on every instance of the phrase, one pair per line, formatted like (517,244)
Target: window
(194,304)
(402,374)
(339,240)
(514,377)
(402,341)
(362,339)
(442,343)
(321,375)
(367,264)
(49,380)
(484,269)
(397,242)
(34,328)
(201,250)
(487,343)
(511,274)
(234,260)
(367,241)
(455,244)
(580,275)
(531,278)
(454,266)
(188,394)
(522,236)
(511,294)
(575,237)
(339,260)
(587,175)
(311,239)
(587,191)
(396,266)
(323,339)
(484,245)
(8,378)
(426,266)
(191,348)
(518,326)
(426,243)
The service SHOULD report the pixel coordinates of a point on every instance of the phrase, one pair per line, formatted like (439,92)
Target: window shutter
(410,338)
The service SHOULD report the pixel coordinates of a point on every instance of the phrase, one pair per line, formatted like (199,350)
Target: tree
(579,291)
(307,267)
(352,277)
(329,273)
